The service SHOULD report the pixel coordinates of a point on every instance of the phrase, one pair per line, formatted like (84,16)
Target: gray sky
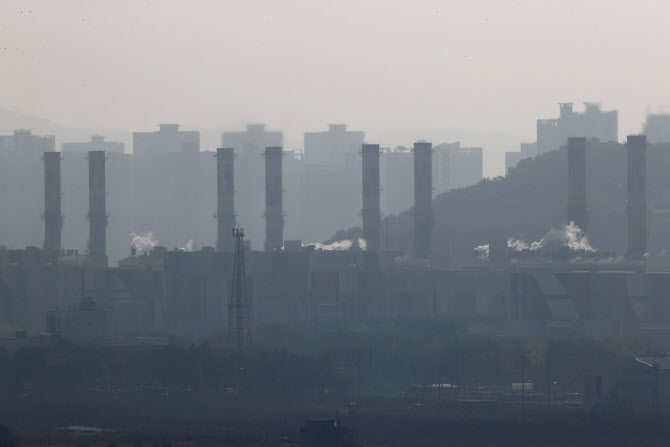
(477,66)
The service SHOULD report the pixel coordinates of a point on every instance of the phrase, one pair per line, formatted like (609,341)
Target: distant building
(97,143)
(168,139)
(529,149)
(24,143)
(456,167)
(657,128)
(249,146)
(252,141)
(513,158)
(592,123)
(332,148)
(396,177)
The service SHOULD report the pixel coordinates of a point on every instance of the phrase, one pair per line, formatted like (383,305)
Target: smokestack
(371,205)
(636,147)
(97,209)
(274,209)
(577,182)
(53,219)
(423,191)
(225,192)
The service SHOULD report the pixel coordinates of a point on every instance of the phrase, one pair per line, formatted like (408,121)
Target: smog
(334,224)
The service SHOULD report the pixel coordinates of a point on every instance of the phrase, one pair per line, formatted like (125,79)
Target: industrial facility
(543,289)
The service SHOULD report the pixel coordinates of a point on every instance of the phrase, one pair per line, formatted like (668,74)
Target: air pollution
(305,183)
(143,242)
(570,236)
(345,244)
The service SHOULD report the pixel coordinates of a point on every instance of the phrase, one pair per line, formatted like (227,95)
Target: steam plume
(143,242)
(337,245)
(482,251)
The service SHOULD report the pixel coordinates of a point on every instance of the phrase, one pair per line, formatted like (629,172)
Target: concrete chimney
(577,182)
(97,209)
(636,147)
(423,192)
(274,209)
(225,193)
(371,204)
(53,219)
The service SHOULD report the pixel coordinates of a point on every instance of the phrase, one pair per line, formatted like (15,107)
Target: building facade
(591,123)
(168,139)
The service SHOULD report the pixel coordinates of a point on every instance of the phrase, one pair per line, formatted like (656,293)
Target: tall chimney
(225,193)
(636,147)
(577,182)
(274,209)
(371,206)
(53,219)
(97,209)
(423,191)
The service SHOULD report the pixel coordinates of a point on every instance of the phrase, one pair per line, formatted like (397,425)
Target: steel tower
(239,305)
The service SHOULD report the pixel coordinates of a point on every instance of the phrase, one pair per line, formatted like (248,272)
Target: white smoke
(362,244)
(337,245)
(570,236)
(482,251)
(188,247)
(517,244)
(143,242)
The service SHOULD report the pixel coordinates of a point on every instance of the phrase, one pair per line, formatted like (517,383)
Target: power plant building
(185,291)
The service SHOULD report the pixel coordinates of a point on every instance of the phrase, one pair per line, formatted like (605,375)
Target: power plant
(559,281)
(279,224)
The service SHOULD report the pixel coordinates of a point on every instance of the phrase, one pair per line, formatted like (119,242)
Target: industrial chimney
(577,182)
(225,193)
(53,219)
(423,191)
(97,210)
(636,147)
(371,205)
(274,209)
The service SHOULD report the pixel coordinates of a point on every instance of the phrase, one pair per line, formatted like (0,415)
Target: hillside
(533,198)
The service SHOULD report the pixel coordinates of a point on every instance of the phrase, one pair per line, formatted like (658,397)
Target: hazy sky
(298,65)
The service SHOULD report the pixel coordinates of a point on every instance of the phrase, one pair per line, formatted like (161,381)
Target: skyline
(299,66)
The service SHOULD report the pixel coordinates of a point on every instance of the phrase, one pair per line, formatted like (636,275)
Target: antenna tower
(239,305)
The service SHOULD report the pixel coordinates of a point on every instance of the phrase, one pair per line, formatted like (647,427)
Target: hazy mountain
(532,199)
